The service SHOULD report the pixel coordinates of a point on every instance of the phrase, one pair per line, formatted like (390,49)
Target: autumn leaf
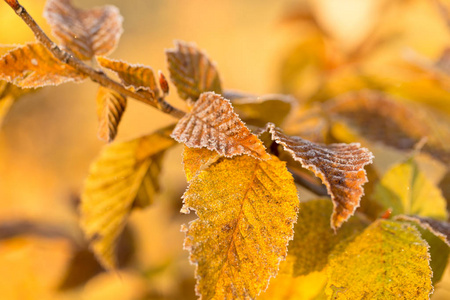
(191,71)
(33,66)
(85,33)
(258,110)
(314,239)
(246,210)
(110,107)
(196,160)
(389,260)
(117,180)
(339,166)
(134,77)
(439,228)
(406,190)
(213,124)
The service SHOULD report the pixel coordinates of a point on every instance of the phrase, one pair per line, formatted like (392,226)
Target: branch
(307,182)
(97,76)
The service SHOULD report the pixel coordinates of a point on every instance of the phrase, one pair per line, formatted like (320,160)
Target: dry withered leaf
(191,71)
(339,166)
(439,228)
(213,124)
(118,181)
(110,108)
(32,66)
(246,210)
(134,77)
(85,33)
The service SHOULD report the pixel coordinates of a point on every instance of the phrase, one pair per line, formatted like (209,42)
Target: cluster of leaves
(254,231)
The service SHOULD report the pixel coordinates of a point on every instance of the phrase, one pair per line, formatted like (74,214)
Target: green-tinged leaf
(339,166)
(406,190)
(314,239)
(246,212)
(134,77)
(439,228)
(33,66)
(389,260)
(196,160)
(85,33)
(110,108)
(191,71)
(118,180)
(213,124)
(258,111)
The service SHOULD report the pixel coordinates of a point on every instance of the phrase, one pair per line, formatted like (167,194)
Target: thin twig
(95,75)
(307,182)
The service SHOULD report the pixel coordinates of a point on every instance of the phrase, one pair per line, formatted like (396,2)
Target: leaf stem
(97,76)
(308,183)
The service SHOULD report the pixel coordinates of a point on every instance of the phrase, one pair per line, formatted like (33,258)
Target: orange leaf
(439,228)
(339,166)
(33,66)
(110,107)
(246,211)
(135,77)
(191,71)
(84,32)
(197,160)
(213,124)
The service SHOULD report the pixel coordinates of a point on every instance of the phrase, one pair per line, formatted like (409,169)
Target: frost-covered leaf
(406,190)
(110,107)
(191,71)
(389,260)
(196,160)
(33,66)
(258,110)
(117,181)
(339,166)
(440,228)
(134,77)
(246,211)
(85,33)
(213,124)
(314,239)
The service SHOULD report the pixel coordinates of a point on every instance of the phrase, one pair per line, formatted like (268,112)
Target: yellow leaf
(388,260)
(406,190)
(246,211)
(196,160)
(314,239)
(213,124)
(110,107)
(135,77)
(85,33)
(33,66)
(439,228)
(339,166)
(115,179)
(191,71)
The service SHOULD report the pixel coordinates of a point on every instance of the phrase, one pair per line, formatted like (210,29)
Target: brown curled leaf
(439,228)
(85,33)
(134,77)
(213,124)
(110,108)
(191,71)
(339,166)
(32,66)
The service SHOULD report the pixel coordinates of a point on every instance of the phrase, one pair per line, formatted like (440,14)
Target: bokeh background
(48,139)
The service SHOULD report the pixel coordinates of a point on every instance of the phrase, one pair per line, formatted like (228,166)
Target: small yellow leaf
(33,66)
(110,107)
(339,166)
(246,211)
(191,71)
(85,33)
(196,160)
(117,181)
(388,260)
(314,239)
(406,190)
(213,124)
(135,77)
